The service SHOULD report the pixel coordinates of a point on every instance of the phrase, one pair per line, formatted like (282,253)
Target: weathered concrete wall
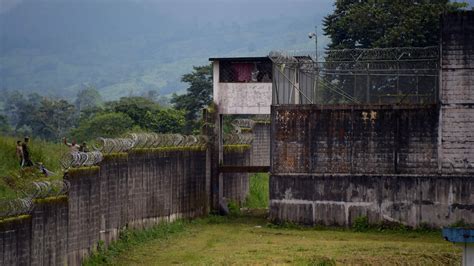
(166,186)
(50,232)
(83,213)
(241,98)
(137,190)
(339,199)
(457,93)
(15,241)
(244,98)
(354,139)
(457,62)
(236,185)
(260,154)
(113,196)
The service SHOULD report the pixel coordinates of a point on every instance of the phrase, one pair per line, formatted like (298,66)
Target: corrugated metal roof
(240,59)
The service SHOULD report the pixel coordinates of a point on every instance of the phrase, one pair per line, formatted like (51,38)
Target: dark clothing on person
(26,155)
(83,149)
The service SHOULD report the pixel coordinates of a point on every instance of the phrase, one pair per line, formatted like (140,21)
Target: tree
(385,23)
(89,113)
(165,121)
(198,95)
(14,103)
(4,126)
(107,125)
(88,98)
(135,107)
(53,119)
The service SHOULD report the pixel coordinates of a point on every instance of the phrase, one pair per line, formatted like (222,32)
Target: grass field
(259,191)
(251,240)
(11,178)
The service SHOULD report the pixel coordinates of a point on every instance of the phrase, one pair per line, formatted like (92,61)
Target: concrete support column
(456,151)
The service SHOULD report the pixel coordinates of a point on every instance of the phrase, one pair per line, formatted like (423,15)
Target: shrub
(361,224)
(460,223)
(234,208)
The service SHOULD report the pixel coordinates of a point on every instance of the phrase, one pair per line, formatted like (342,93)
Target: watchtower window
(253,71)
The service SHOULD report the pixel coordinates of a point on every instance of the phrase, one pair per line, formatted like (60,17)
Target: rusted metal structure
(356,76)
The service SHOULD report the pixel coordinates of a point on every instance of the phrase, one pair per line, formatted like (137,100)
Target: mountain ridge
(56,48)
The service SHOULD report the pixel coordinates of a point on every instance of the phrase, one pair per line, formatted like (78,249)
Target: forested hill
(130,47)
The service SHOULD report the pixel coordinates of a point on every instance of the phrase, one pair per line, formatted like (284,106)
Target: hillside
(131,47)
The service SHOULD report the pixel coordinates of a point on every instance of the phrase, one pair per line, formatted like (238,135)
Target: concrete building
(242,85)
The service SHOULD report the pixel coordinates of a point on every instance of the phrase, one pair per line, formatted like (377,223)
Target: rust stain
(341,134)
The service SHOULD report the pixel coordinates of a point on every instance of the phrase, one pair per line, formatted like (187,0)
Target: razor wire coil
(243,123)
(154,140)
(44,189)
(238,139)
(15,207)
(36,190)
(78,159)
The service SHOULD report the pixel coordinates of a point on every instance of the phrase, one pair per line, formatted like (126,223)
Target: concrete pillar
(456,150)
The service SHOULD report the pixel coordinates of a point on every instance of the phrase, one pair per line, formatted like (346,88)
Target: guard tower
(241,86)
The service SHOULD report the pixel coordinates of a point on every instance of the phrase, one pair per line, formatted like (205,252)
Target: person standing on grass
(26,153)
(19,152)
(73,147)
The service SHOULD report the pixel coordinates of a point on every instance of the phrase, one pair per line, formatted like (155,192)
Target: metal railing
(356,76)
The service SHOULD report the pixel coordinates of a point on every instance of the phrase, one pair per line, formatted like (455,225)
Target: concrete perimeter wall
(330,166)
(236,185)
(354,139)
(406,164)
(339,199)
(134,190)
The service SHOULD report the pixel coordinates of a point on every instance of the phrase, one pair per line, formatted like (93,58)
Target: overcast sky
(118,44)
(7,4)
(273,5)
(204,10)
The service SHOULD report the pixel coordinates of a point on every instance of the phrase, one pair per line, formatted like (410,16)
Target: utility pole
(314,35)
(316,59)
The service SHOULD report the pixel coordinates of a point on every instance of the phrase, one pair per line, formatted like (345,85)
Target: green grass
(12,178)
(133,238)
(259,191)
(248,239)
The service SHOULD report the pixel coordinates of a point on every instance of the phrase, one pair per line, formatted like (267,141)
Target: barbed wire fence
(242,123)
(36,190)
(356,76)
(104,146)
(78,159)
(238,139)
